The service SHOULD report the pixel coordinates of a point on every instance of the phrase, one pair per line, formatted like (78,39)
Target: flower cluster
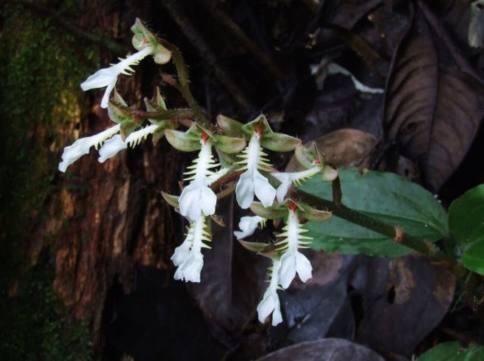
(288,261)
(231,154)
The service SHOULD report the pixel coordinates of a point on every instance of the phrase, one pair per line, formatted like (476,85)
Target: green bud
(142,38)
(161,55)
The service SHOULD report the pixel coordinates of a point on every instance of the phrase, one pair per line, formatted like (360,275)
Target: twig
(199,43)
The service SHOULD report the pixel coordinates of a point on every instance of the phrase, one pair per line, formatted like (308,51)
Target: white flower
(140,135)
(287,179)
(248,225)
(197,198)
(82,146)
(111,147)
(107,77)
(252,181)
(270,302)
(188,256)
(292,261)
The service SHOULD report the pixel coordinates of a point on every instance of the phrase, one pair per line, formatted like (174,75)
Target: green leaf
(279,142)
(453,351)
(466,216)
(339,235)
(466,221)
(473,257)
(384,196)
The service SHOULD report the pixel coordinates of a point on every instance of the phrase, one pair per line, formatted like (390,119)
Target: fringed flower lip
(292,239)
(198,199)
(289,178)
(188,257)
(251,182)
(107,77)
(82,146)
(270,303)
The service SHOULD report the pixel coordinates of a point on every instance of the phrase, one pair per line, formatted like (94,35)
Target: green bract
(277,142)
(119,113)
(228,145)
(188,141)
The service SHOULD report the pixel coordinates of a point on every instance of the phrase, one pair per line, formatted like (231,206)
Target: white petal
(100,79)
(111,147)
(73,152)
(293,263)
(189,202)
(248,225)
(181,253)
(244,191)
(190,270)
(197,199)
(287,271)
(304,268)
(107,94)
(277,315)
(264,190)
(208,201)
(82,146)
(269,303)
(285,179)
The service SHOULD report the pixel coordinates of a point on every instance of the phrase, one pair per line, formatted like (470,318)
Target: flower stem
(361,219)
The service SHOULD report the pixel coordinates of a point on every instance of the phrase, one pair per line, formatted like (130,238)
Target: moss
(41,67)
(35,325)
